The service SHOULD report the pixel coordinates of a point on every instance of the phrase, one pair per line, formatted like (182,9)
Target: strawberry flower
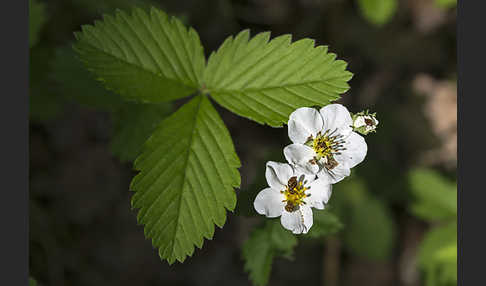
(291,195)
(324,142)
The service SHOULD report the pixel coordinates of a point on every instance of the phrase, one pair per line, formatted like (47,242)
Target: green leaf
(371,231)
(378,12)
(325,223)
(437,255)
(263,245)
(188,169)
(76,83)
(266,80)
(436,197)
(32,282)
(147,58)
(37,18)
(133,124)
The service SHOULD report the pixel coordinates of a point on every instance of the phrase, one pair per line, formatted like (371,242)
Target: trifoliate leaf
(325,223)
(76,83)
(188,169)
(263,245)
(148,58)
(378,12)
(371,231)
(267,80)
(133,124)
(438,255)
(435,196)
(37,18)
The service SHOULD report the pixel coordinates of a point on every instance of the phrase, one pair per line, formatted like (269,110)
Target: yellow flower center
(295,193)
(326,145)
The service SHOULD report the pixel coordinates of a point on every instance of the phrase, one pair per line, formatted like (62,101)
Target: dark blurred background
(83,231)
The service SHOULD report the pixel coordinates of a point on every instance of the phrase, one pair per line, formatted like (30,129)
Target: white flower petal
(355,152)
(320,191)
(336,174)
(299,221)
(359,121)
(300,155)
(304,122)
(269,202)
(336,116)
(278,174)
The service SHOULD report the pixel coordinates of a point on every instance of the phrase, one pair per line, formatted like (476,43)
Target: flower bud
(364,122)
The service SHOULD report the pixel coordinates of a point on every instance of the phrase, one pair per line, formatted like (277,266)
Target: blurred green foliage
(438,255)
(37,18)
(378,12)
(446,3)
(369,228)
(371,232)
(436,202)
(435,197)
(44,103)
(325,223)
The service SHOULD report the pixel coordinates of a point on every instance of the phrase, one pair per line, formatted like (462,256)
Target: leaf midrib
(140,67)
(243,90)
(184,182)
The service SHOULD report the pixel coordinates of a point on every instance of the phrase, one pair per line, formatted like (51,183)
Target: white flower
(291,195)
(364,122)
(324,142)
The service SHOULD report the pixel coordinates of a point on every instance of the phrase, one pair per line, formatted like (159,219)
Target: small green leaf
(266,80)
(378,12)
(325,223)
(37,18)
(147,58)
(436,197)
(32,282)
(133,124)
(76,83)
(263,245)
(188,169)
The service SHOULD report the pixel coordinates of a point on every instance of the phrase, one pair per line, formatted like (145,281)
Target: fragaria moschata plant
(188,167)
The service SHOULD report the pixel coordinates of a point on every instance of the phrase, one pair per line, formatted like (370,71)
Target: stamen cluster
(295,193)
